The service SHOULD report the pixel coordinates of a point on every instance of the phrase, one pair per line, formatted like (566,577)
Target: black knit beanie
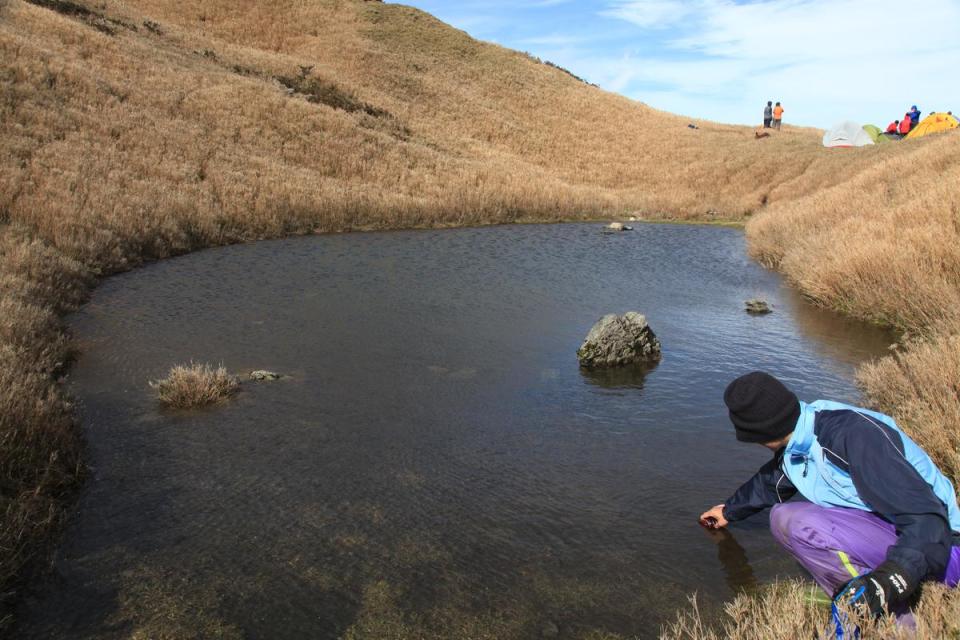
(761,408)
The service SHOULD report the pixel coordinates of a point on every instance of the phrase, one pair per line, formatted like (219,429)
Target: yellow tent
(934,123)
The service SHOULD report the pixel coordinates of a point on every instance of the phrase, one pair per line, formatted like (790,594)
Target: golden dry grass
(885,246)
(790,610)
(133,130)
(921,386)
(195,385)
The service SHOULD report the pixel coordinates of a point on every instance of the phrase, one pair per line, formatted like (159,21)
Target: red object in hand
(709,522)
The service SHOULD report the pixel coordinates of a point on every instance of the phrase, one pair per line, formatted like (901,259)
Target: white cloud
(828,60)
(796,28)
(651,14)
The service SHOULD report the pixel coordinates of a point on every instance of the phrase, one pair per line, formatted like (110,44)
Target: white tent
(846,134)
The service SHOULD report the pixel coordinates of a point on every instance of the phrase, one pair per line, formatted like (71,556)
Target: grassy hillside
(134,130)
(885,246)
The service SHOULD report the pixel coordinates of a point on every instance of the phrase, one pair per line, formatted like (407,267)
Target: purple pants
(837,544)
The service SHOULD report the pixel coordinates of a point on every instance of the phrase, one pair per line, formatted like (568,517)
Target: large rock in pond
(619,340)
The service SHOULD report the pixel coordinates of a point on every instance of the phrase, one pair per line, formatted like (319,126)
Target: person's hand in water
(713,519)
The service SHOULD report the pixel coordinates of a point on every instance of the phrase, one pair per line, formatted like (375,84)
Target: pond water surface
(436,465)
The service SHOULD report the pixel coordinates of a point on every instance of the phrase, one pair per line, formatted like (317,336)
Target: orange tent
(934,123)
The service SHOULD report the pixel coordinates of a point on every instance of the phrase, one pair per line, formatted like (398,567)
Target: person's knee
(788,521)
(781,517)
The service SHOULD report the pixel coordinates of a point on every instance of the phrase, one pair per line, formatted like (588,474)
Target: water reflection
(841,338)
(733,558)
(629,377)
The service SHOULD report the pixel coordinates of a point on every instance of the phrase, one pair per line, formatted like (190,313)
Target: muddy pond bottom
(435,465)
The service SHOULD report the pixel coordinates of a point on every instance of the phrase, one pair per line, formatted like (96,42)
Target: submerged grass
(195,385)
(121,144)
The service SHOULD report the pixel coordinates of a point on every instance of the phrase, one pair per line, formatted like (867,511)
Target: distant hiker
(905,124)
(777,116)
(914,116)
(768,114)
(879,516)
(893,131)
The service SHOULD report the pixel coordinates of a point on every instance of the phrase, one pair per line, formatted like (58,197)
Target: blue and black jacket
(849,457)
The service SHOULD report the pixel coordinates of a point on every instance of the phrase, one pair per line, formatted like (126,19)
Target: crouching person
(878,518)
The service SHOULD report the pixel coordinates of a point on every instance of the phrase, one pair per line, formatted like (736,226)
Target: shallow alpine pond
(435,464)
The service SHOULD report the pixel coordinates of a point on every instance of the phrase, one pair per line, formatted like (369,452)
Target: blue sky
(827,61)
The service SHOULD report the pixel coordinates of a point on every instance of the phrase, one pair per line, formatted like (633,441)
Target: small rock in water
(757,306)
(550,630)
(264,375)
(619,340)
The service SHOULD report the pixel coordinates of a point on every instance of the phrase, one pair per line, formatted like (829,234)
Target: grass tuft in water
(195,385)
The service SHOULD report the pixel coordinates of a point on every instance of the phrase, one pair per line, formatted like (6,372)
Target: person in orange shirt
(893,131)
(905,124)
(777,116)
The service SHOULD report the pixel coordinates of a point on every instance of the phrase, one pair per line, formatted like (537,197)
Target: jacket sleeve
(766,488)
(892,487)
